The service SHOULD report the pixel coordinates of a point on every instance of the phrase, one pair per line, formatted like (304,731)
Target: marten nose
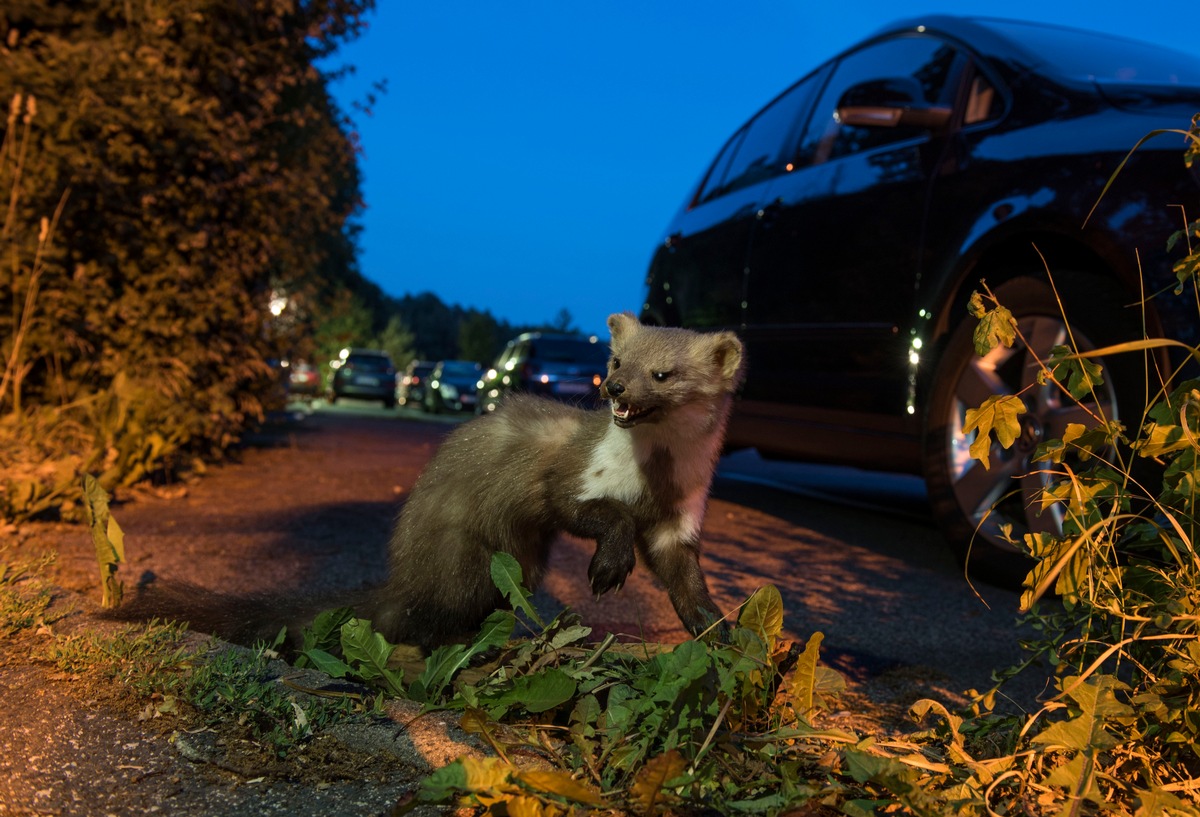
(614,389)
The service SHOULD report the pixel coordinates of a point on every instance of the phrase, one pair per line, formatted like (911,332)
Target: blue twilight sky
(527,155)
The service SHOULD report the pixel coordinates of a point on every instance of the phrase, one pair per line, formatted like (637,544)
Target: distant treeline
(423,326)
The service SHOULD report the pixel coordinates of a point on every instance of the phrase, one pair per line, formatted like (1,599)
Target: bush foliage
(169,169)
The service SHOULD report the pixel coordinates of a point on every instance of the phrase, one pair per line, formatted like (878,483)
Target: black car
(842,230)
(563,367)
(410,390)
(367,374)
(451,385)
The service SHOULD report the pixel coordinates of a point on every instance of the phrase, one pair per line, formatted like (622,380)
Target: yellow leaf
(647,787)
(763,614)
(997,413)
(805,678)
(485,774)
(560,785)
(523,805)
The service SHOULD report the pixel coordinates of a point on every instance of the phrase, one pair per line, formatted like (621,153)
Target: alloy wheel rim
(1009,493)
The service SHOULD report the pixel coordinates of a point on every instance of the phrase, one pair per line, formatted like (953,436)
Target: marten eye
(615,363)
(661,377)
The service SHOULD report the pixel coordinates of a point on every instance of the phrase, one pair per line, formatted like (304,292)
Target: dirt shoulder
(300,508)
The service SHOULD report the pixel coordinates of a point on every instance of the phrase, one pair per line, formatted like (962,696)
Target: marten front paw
(609,569)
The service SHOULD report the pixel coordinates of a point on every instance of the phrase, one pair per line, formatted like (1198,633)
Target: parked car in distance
(367,374)
(452,386)
(563,367)
(304,381)
(843,228)
(410,390)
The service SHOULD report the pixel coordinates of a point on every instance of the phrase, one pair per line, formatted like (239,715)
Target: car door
(697,278)
(835,256)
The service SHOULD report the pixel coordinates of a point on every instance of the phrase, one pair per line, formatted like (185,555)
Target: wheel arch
(1039,254)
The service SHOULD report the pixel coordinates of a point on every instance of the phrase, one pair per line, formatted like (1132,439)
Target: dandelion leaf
(108,538)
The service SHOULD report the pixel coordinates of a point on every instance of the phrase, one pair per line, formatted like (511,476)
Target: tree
(478,337)
(397,341)
(205,169)
(563,322)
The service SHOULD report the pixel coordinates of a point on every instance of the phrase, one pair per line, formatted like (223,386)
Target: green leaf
(569,635)
(999,414)
(447,661)
(440,667)
(1078,777)
(1080,441)
(1098,706)
(108,539)
(1080,374)
(329,664)
(546,690)
(508,577)
(1186,269)
(368,652)
(494,632)
(540,692)
(996,327)
(325,632)
(584,717)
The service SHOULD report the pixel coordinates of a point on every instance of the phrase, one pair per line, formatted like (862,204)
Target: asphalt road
(854,555)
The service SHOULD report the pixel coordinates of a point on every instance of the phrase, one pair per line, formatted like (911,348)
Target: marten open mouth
(626,415)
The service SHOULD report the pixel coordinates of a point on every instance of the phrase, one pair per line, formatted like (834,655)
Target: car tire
(389,402)
(971,503)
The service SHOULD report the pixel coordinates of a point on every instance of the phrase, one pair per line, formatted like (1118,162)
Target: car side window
(505,356)
(715,180)
(759,150)
(912,70)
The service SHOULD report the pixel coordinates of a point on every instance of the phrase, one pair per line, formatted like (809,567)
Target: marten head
(655,369)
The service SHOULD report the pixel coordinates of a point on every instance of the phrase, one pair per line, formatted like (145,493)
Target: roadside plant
(1123,636)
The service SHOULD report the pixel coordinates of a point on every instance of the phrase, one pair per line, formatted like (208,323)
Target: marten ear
(727,355)
(622,324)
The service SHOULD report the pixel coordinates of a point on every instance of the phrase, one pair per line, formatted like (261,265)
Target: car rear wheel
(974,504)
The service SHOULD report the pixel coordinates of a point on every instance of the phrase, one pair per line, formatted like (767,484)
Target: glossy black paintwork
(830,271)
